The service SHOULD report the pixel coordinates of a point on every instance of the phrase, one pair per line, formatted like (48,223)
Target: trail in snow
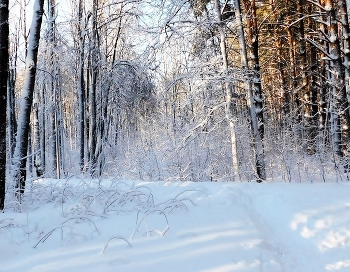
(270,227)
(274,254)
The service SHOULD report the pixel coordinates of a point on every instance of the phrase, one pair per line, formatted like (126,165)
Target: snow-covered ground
(74,225)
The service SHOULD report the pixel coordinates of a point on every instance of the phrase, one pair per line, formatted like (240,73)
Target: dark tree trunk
(11,116)
(255,99)
(92,95)
(346,46)
(339,109)
(81,86)
(4,44)
(310,92)
(324,81)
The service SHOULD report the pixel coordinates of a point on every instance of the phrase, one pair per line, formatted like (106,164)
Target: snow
(172,226)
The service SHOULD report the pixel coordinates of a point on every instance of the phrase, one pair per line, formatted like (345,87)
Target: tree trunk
(310,92)
(93,86)
(53,91)
(295,107)
(339,104)
(255,100)
(4,45)
(346,46)
(20,154)
(11,116)
(324,81)
(36,138)
(228,91)
(43,129)
(81,86)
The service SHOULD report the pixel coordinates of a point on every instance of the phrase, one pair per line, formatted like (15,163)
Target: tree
(4,44)
(229,88)
(255,99)
(20,154)
(81,84)
(340,120)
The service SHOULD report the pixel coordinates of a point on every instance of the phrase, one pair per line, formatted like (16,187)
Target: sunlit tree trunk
(295,106)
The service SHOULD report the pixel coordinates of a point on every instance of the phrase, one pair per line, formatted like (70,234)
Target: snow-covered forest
(105,101)
(179,90)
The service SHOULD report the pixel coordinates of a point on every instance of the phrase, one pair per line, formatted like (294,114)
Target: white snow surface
(75,225)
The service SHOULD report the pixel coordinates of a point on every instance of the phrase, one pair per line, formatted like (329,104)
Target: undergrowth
(82,205)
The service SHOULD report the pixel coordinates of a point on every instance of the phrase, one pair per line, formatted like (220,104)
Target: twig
(115,237)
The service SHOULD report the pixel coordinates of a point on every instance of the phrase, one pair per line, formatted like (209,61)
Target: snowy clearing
(71,225)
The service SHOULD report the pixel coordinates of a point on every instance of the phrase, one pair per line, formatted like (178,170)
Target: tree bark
(255,99)
(339,105)
(309,87)
(325,77)
(228,91)
(4,56)
(36,138)
(81,86)
(343,12)
(93,86)
(20,154)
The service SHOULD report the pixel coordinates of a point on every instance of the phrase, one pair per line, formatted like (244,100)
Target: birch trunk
(228,91)
(20,154)
(36,138)
(4,44)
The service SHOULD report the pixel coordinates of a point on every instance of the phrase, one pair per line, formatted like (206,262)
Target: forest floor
(74,225)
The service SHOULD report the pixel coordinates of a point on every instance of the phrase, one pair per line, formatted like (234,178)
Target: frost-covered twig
(83,218)
(47,235)
(2,225)
(144,217)
(13,202)
(115,237)
(190,191)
